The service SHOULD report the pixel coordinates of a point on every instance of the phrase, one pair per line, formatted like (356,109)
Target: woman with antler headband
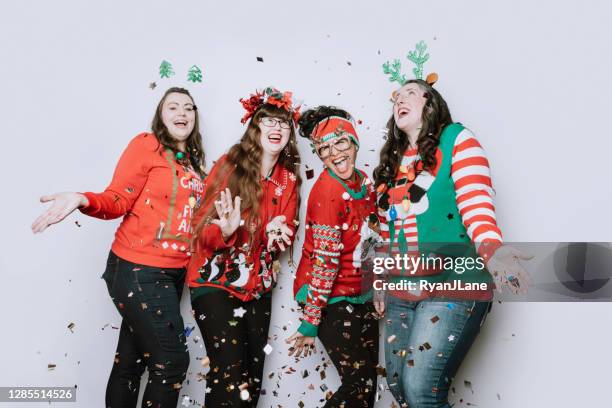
(330,281)
(157,182)
(435,201)
(237,243)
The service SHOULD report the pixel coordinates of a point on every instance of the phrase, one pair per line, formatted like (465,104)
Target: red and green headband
(334,126)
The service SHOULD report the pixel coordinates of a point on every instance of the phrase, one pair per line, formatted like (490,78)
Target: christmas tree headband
(272,96)
(334,126)
(419,57)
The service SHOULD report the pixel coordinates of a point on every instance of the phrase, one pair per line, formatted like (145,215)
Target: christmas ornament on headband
(273,97)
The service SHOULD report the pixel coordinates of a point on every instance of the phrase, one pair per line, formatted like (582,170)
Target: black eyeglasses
(271,122)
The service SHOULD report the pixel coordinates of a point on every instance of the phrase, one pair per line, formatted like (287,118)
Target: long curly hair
(194,141)
(436,116)
(241,172)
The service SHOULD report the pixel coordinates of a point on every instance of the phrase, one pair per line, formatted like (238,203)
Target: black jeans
(349,333)
(152,334)
(234,346)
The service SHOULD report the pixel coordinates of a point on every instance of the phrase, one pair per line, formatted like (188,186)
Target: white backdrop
(531,79)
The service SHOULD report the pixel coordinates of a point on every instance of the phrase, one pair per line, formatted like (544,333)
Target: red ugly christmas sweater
(156,196)
(336,224)
(244,269)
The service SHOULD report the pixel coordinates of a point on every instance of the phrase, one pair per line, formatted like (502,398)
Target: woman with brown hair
(156,184)
(436,200)
(237,243)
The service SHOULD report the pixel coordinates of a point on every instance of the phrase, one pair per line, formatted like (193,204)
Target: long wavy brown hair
(436,116)
(194,141)
(241,172)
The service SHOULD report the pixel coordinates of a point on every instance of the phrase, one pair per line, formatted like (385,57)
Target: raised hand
(228,212)
(63,204)
(507,270)
(278,232)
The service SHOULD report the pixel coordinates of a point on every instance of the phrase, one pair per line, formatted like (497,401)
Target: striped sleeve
(474,193)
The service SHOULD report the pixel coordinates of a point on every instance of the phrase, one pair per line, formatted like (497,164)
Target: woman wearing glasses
(237,243)
(157,182)
(330,283)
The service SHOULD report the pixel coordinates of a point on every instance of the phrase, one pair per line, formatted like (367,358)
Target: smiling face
(408,105)
(274,134)
(178,115)
(338,155)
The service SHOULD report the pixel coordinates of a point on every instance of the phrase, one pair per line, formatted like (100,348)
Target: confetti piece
(451,338)
(185,402)
(434,319)
(51,367)
(152,85)
(391,338)
(268,349)
(244,395)
(189,330)
(239,312)
(260,59)
(309,174)
(205,361)
(450,306)
(71,326)
(77,224)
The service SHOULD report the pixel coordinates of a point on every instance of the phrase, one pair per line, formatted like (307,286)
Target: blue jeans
(432,337)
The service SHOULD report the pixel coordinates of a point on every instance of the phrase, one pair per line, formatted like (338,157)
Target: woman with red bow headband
(331,283)
(237,243)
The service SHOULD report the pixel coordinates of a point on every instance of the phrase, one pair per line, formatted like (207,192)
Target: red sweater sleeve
(325,226)
(130,176)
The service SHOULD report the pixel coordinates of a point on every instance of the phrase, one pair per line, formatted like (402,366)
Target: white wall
(530,78)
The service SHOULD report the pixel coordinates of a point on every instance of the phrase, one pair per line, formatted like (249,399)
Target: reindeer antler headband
(419,57)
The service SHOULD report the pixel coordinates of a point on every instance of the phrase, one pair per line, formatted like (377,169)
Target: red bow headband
(272,96)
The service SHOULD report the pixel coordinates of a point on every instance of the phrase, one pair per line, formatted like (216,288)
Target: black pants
(234,346)
(151,336)
(350,335)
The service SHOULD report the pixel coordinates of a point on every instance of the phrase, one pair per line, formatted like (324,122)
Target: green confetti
(419,57)
(194,74)
(165,69)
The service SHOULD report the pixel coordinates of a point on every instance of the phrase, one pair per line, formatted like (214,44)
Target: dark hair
(194,141)
(312,117)
(241,172)
(436,116)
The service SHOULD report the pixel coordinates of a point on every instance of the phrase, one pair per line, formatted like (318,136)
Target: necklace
(357,195)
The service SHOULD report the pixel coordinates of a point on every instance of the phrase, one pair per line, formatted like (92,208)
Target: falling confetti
(152,85)
(239,312)
(268,349)
(260,59)
(71,326)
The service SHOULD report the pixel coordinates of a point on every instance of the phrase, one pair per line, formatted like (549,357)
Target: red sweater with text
(243,269)
(155,195)
(330,265)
